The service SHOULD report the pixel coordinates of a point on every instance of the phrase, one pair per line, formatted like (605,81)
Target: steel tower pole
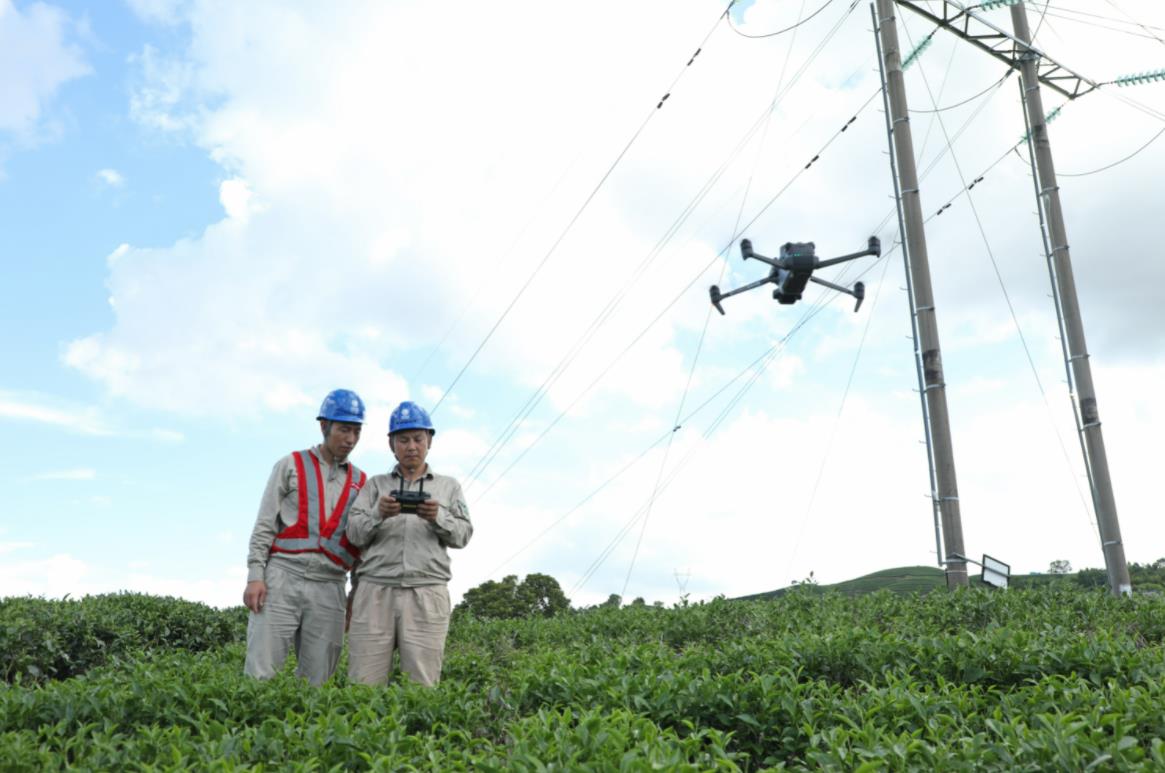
(1095,458)
(934,387)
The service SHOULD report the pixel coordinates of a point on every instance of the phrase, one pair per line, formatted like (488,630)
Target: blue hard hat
(409,415)
(342,405)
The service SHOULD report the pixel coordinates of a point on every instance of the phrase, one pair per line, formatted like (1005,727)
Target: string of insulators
(947,206)
(813,160)
(689,64)
(918,50)
(988,5)
(1140,78)
(1047,120)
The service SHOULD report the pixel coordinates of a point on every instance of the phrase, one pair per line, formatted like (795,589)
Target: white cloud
(37,409)
(81,473)
(62,575)
(156,100)
(36,60)
(158,11)
(221,588)
(235,197)
(111,177)
(413,173)
(86,420)
(54,576)
(166,435)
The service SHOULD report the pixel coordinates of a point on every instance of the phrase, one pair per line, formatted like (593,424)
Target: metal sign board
(995,572)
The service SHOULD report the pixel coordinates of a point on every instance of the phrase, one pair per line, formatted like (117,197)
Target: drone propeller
(714,291)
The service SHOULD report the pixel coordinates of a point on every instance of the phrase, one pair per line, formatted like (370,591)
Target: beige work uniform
(401,598)
(306,604)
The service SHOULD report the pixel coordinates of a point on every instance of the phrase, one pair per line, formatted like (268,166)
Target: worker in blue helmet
(299,553)
(404,522)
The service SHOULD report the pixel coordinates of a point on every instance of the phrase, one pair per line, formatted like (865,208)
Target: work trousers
(306,614)
(387,618)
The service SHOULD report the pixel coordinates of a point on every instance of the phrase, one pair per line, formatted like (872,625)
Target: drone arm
(771,261)
(875,248)
(859,291)
(831,285)
(744,288)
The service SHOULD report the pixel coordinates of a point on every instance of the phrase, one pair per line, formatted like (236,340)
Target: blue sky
(214,213)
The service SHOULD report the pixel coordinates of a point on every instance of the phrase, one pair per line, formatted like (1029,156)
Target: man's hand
(255,596)
(428,510)
(388,507)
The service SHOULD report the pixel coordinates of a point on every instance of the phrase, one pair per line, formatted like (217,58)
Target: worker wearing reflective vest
(299,553)
(401,600)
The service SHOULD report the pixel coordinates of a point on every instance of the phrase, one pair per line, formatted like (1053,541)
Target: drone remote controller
(409,500)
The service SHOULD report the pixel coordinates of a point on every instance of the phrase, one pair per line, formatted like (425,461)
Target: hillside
(1147,578)
(903,579)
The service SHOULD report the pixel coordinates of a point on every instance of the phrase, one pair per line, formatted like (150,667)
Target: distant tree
(1091,578)
(613,601)
(1159,564)
(1059,566)
(539,595)
(493,599)
(638,602)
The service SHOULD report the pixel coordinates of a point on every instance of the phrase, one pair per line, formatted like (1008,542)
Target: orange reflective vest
(315,530)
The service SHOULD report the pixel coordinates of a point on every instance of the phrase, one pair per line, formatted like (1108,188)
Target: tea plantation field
(1046,679)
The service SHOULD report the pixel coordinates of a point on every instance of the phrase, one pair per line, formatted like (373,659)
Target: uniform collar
(428,471)
(317,450)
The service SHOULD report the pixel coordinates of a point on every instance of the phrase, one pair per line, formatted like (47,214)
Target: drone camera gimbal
(793,269)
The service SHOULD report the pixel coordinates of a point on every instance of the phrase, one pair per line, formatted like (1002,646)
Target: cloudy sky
(215,212)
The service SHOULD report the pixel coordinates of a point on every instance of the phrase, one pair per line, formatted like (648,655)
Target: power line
(1099,26)
(995,267)
(708,313)
(968,100)
(678,296)
(790,28)
(590,197)
(1114,163)
(1114,20)
(495,270)
(758,368)
(837,420)
(1134,21)
(535,398)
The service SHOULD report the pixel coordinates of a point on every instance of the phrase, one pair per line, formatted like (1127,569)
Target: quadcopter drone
(793,270)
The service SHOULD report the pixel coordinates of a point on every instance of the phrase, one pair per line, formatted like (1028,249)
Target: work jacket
(303,517)
(407,550)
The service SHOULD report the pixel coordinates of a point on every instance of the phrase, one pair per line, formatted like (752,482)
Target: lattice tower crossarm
(961,20)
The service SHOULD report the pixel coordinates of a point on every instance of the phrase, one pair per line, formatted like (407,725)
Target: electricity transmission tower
(1036,69)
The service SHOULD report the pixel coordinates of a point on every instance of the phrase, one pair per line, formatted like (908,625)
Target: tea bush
(42,639)
(1053,678)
